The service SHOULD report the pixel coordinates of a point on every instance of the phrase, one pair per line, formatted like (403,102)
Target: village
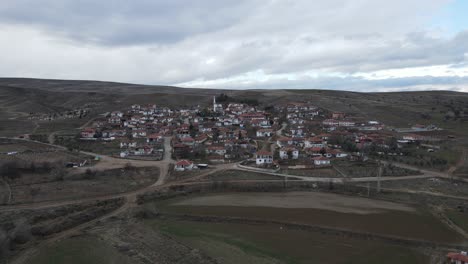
(285,161)
(294,135)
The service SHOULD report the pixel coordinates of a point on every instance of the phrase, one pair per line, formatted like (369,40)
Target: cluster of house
(216,135)
(297,132)
(222,135)
(340,120)
(308,136)
(138,131)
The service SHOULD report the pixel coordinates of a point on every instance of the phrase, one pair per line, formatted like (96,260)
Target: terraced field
(266,228)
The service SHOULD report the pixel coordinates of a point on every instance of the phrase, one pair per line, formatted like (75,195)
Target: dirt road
(130,201)
(339,180)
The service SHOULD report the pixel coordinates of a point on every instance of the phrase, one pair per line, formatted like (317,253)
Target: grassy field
(324,211)
(435,185)
(241,175)
(321,172)
(240,243)
(101,147)
(77,250)
(459,218)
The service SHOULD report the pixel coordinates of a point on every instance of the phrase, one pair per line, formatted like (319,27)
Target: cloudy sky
(360,45)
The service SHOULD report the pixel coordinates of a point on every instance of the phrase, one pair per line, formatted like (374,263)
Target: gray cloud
(173,42)
(122,22)
(359,84)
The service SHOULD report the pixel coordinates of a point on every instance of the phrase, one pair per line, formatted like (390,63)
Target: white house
(314,142)
(321,161)
(128,144)
(218,150)
(183,165)
(287,153)
(263,157)
(265,133)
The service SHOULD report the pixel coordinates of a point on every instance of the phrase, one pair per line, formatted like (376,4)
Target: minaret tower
(214,103)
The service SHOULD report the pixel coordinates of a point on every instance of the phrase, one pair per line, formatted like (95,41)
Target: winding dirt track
(129,200)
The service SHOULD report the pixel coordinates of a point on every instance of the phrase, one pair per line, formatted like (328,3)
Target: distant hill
(97,86)
(20,96)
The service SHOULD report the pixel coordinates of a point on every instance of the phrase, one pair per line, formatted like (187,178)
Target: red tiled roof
(184,163)
(315,139)
(457,256)
(315,149)
(216,148)
(154,136)
(264,153)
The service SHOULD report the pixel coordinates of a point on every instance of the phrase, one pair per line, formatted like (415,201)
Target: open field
(83,249)
(458,218)
(434,185)
(92,183)
(241,175)
(371,169)
(320,172)
(23,229)
(356,214)
(27,152)
(270,243)
(102,147)
(310,200)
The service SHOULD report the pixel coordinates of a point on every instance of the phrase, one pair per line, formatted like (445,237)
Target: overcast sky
(360,45)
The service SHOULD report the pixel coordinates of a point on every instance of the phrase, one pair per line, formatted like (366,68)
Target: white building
(263,157)
(183,165)
(289,153)
(321,161)
(217,107)
(265,132)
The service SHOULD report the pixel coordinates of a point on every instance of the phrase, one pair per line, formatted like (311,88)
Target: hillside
(20,96)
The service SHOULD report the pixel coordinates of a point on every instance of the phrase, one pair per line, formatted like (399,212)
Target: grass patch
(190,231)
(459,218)
(240,243)
(417,225)
(77,250)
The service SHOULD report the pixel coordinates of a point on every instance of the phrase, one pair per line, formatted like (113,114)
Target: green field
(241,243)
(417,224)
(78,250)
(459,218)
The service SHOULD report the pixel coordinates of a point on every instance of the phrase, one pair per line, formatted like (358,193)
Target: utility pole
(368,189)
(379,174)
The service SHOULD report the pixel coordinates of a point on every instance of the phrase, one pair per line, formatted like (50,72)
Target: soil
(326,201)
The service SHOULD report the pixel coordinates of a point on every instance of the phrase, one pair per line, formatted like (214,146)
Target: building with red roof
(183,165)
(457,257)
(263,157)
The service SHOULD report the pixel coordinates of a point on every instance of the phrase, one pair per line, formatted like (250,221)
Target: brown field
(305,200)
(43,187)
(357,214)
